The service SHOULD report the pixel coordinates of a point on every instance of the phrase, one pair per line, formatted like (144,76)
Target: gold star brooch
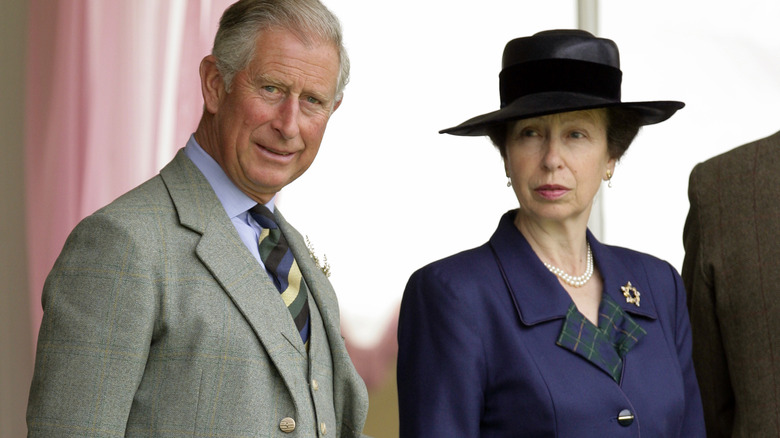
(628,289)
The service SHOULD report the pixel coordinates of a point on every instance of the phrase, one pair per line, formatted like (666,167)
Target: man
(166,313)
(731,272)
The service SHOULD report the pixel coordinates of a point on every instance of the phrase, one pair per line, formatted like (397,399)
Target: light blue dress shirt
(235,202)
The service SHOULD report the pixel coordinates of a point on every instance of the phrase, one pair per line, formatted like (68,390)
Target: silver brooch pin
(628,290)
(325,267)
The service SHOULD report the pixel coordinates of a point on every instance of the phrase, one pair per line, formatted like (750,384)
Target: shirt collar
(233,200)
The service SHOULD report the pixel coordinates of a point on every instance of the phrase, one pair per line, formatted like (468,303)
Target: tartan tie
(283,269)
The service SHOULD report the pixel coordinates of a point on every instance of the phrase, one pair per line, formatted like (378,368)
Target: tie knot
(263,216)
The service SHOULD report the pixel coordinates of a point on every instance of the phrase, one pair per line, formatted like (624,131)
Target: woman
(544,331)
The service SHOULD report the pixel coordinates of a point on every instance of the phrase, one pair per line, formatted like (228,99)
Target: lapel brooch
(628,290)
(325,267)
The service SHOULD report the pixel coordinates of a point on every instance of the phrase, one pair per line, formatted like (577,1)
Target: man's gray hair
(242,22)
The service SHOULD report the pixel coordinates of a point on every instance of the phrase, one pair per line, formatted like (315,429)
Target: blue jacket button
(625,418)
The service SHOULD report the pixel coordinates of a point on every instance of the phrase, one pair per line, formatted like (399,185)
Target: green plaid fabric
(606,345)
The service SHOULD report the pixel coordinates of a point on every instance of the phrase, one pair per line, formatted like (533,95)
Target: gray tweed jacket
(159,322)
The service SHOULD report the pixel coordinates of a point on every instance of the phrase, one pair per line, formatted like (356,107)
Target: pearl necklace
(571,280)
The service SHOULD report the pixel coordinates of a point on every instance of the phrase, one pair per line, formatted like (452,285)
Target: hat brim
(541,104)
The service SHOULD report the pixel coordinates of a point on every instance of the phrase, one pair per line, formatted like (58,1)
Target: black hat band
(555,75)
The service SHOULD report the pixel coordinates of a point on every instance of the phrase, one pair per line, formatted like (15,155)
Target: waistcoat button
(287,425)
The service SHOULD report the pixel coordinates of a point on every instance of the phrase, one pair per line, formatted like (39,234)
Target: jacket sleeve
(708,352)
(94,339)
(441,367)
(693,419)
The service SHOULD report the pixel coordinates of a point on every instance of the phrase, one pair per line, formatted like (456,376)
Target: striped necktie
(283,269)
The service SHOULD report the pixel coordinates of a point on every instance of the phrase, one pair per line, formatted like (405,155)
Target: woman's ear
(212,85)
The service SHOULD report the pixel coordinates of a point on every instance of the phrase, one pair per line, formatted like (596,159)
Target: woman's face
(556,164)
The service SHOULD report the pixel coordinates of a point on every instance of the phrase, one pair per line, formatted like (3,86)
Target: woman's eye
(577,134)
(528,133)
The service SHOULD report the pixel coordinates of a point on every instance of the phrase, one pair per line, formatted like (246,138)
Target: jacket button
(314,385)
(287,425)
(323,429)
(625,418)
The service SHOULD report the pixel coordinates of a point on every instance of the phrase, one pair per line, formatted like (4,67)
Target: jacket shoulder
(461,266)
(157,190)
(631,257)
(738,162)
(459,278)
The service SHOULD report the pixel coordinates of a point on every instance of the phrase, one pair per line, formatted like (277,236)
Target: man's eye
(313,100)
(270,89)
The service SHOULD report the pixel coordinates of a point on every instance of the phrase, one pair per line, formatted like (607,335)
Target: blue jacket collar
(537,294)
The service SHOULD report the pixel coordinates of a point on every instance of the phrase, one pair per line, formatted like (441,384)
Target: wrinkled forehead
(282,53)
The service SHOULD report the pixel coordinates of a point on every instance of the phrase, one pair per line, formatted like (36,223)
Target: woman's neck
(565,246)
(560,244)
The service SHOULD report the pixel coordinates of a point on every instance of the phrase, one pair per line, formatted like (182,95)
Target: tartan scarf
(606,345)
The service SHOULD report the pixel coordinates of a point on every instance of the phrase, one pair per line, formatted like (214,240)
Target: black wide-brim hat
(559,71)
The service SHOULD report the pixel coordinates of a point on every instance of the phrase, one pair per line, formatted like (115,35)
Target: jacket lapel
(525,275)
(233,267)
(319,286)
(616,274)
(249,287)
(350,396)
(538,296)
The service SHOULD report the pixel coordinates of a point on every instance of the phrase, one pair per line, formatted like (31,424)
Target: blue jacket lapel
(527,277)
(537,295)
(616,273)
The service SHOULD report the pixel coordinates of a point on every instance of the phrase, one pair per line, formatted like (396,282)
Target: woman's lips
(551,191)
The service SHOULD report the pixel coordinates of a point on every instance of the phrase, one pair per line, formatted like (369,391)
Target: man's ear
(211,84)
(337,104)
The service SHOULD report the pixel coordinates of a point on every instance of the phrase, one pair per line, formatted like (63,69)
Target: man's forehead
(284,58)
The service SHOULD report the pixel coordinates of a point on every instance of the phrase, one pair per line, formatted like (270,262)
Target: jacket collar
(225,256)
(537,294)
(223,253)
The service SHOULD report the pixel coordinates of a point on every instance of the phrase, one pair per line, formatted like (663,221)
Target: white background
(388,194)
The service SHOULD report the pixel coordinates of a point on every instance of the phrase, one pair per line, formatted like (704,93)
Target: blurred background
(96,96)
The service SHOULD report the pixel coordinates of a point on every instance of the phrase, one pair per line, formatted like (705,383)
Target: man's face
(268,128)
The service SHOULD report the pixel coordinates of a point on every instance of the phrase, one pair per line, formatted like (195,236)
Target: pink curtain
(112,92)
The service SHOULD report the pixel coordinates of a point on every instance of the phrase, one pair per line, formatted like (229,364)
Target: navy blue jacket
(478,355)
